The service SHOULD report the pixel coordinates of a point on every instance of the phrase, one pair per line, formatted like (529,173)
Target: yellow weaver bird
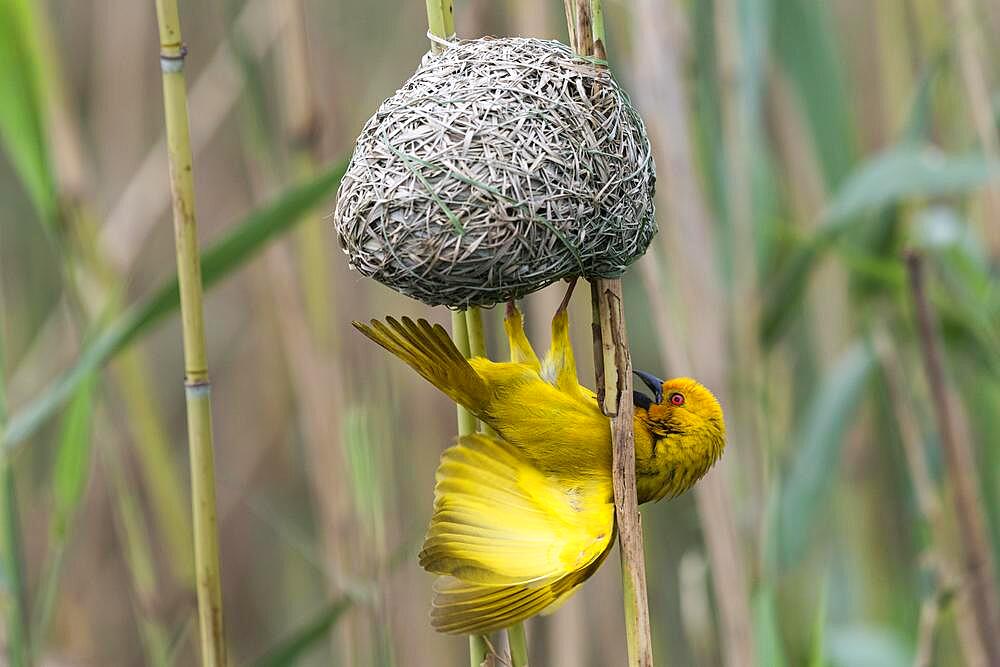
(524,518)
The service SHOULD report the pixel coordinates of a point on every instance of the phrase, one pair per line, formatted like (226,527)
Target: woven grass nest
(502,165)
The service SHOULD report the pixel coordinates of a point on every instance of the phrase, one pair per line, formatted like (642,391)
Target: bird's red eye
(677,399)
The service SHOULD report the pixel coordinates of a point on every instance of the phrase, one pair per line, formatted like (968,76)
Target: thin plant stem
(930,508)
(196,379)
(477,336)
(17,639)
(613,366)
(978,578)
(477,346)
(518,645)
(440,21)
(460,334)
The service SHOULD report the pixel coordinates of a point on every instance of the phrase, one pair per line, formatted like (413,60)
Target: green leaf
(232,251)
(305,638)
(906,172)
(818,443)
(22,115)
(72,466)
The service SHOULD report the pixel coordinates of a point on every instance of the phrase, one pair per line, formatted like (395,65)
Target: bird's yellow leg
(520,347)
(559,367)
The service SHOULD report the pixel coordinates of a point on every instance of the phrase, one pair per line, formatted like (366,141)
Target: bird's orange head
(684,422)
(680,404)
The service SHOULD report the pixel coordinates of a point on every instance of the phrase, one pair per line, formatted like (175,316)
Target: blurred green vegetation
(803,148)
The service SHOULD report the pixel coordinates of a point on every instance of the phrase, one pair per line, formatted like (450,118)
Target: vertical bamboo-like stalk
(614,390)
(197,385)
(979,579)
(440,21)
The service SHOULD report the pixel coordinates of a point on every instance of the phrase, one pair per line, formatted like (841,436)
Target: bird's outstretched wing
(430,351)
(509,540)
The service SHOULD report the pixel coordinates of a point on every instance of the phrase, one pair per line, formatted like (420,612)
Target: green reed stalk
(518,645)
(196,379)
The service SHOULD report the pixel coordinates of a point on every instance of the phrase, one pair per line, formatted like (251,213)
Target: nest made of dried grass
(500,166)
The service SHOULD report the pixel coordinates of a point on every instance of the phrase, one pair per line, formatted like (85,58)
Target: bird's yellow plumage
(523,518)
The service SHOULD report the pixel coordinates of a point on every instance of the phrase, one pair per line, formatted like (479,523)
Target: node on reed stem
(196,379)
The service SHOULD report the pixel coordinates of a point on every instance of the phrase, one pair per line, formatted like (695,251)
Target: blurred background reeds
(828,262)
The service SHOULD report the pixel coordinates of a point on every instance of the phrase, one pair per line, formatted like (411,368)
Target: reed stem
(614,390)
(196,379)
(440,21)
(979,578)
(518,645)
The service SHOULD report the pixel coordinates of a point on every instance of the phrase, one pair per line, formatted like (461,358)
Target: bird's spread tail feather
(429,350)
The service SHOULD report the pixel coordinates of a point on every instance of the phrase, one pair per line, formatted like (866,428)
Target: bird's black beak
(655,385)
